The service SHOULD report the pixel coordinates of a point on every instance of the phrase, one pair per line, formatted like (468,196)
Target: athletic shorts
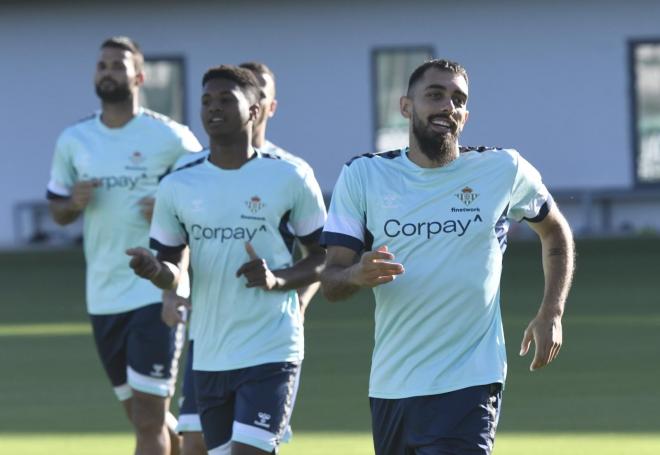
(188,415)
(250,405)
(460,422)
(138,351)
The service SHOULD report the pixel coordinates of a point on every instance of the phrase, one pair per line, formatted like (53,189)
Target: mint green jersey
(127,163)
(215,212)
(438,325)
(268,148)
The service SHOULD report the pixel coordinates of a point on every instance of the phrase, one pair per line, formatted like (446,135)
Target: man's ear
(272,109)
(254,111)
(140,78)
(405,105)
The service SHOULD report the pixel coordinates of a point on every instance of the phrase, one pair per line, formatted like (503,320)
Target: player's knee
(193,443)
(148,412)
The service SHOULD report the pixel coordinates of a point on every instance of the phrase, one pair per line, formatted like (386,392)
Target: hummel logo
(263,420)
(157,370)
(391,201)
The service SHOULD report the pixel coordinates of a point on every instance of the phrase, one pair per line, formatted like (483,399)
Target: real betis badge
(467,195)
(254,204)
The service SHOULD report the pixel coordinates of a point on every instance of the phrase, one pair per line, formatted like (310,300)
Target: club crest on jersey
(467,195)
(254,204)
(137,158)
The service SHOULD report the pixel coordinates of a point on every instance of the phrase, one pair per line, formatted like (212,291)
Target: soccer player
(425,227)
(175,306)
(108,167)
(246,323)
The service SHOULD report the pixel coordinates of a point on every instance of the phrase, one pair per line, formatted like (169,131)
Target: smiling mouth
(216,120)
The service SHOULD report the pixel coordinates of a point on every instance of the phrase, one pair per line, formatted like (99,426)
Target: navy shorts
(250,405)
(138,350)
(188,415)
(454,423)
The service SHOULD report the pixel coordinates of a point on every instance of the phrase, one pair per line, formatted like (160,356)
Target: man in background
(107,168)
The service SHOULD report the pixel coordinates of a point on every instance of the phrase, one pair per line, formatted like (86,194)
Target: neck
(259,136)
(421,159)
(116,115)
(230,153)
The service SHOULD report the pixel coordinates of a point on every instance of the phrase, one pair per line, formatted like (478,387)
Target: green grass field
(600,397)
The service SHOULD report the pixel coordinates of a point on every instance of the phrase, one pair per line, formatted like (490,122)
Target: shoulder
(272,149)
(187,172)
(190,159)
(370,158)
(163,123)
(503,156)
(82,125)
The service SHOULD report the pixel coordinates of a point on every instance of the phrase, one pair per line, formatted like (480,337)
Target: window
(391,68)
(645,64)
(164,87)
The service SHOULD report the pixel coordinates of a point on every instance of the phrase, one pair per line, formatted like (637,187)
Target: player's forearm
(63,211)
(558,264)
(303,273)
(307,293)
(167,276)
(336,282)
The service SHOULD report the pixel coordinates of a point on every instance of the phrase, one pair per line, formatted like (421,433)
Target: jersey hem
(297,359)
(434,391)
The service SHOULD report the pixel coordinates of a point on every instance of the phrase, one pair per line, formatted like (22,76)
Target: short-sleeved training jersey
(127,163)
(268,148)
(438,325)
(215,212)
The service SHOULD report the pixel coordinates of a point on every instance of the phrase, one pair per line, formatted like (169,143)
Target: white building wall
(548,78)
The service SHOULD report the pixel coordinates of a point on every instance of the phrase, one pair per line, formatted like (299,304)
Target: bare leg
(238,448)
(148,417)
(193,443)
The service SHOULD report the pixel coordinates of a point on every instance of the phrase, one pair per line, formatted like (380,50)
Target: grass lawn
(600,397)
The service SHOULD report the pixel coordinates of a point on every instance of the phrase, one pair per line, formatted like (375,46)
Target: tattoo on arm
(557,252)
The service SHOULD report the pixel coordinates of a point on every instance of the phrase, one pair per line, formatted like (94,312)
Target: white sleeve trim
(59,189)
(345,225)
(165,238)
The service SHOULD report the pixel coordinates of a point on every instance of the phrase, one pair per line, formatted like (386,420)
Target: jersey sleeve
(187,141)
(347,216)
(530,199)
(63,173)
(167,233)
(308,214)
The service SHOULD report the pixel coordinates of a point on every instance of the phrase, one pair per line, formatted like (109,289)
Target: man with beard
(425,227)
(108,167)
(175,305)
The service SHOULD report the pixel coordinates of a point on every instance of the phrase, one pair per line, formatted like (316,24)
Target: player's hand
(81,193)
(375,268)
(174,308)
(256,271)
(144,263)
(147,207)
(546,333)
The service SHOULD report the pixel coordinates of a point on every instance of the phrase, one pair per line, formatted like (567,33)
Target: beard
(438,147)
(115,93)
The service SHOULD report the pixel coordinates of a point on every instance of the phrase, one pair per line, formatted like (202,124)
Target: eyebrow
(442,87)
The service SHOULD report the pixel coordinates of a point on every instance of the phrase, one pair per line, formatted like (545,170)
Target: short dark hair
(443,65)
(127,44)
(244,78)
(259,68)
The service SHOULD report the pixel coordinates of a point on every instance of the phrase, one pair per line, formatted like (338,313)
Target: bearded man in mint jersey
(107,167)
(425,227)
(246,322)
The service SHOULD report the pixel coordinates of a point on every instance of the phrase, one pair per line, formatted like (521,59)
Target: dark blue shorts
(250,405)
(188,415)
(454,423)
(138,350)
